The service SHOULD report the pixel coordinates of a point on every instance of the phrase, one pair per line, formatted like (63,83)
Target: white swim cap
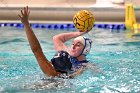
(86,42)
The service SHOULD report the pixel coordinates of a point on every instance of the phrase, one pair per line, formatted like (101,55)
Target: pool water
(115,55)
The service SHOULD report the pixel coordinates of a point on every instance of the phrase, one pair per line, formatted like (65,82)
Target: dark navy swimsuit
(77,64)
(65,63)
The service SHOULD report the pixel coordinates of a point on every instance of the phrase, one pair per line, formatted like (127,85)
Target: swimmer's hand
(84,31)
(81,32)
(93,67)
(24,15)
(80,71)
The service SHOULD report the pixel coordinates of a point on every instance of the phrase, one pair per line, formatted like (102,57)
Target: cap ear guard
(88,44)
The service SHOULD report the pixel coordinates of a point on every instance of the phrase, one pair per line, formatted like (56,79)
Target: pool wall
(65,14)
(63,10)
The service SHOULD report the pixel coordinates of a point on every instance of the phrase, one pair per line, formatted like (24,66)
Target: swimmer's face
(76,48)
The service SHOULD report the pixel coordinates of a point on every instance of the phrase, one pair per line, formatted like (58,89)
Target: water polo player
(65,60)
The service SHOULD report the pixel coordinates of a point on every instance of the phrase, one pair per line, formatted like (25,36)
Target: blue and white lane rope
(64,26)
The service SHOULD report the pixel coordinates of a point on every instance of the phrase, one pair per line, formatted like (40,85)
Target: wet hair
(61,62)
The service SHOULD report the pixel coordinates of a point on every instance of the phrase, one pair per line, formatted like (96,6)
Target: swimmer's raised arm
(60,39)
(45,65)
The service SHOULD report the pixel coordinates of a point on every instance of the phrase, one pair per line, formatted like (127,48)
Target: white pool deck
(64,11)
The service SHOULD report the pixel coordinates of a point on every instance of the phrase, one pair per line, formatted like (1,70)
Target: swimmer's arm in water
(93,67)
(60,39)
(87,66)
(44,64)
(78,72)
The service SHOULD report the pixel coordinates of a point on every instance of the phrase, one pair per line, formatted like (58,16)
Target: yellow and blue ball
(84,20)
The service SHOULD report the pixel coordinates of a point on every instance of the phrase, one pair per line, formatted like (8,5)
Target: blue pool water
(116,56)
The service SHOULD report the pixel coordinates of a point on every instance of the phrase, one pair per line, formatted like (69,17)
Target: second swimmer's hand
(24,15)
